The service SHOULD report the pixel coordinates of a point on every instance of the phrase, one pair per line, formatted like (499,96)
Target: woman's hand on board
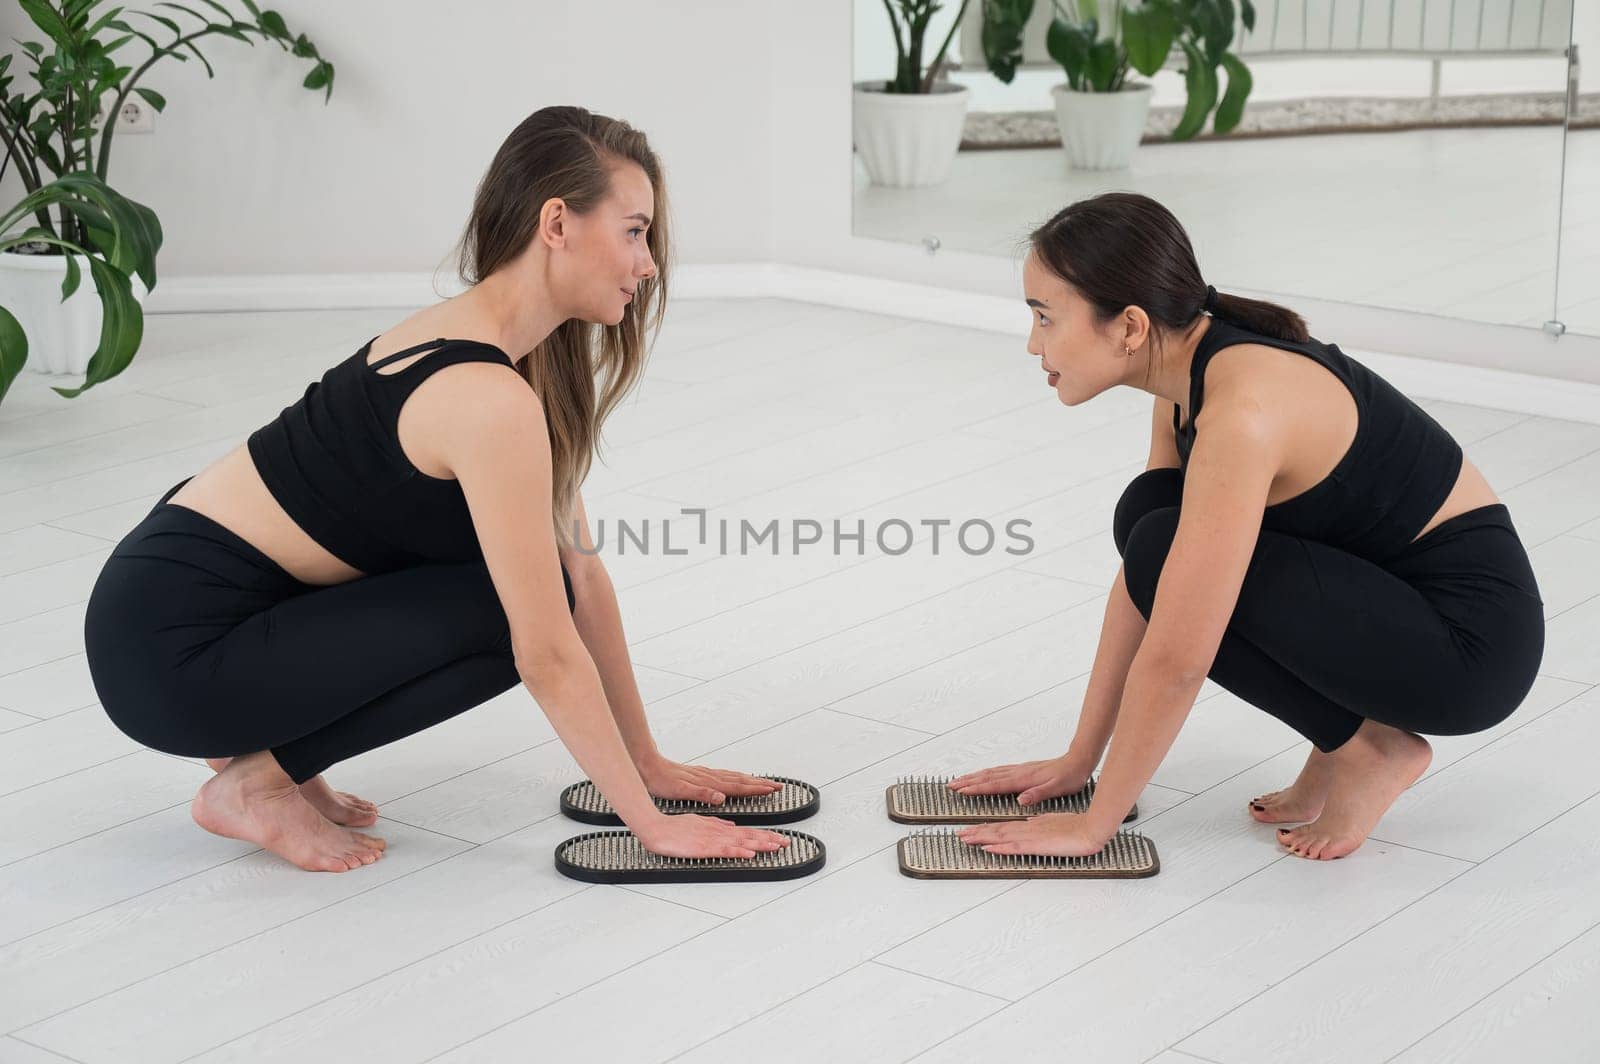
(1030,781)
(696,783)
(690,835)
(1052,835)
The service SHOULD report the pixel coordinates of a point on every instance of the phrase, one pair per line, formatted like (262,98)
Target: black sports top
(1397,473)
(333,461)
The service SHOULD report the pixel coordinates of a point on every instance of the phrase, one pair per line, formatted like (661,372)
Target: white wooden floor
(1467,930)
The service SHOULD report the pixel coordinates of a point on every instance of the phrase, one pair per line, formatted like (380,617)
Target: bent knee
(1153,489)
(1145,553)
(498,626)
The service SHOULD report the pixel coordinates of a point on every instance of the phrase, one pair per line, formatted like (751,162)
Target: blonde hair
(569,153)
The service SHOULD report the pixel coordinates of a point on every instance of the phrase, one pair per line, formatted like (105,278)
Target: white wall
(250,173)
(748,101)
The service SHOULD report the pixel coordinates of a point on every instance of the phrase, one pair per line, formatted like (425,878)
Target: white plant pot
(61,336)
(1101,130)
(909,140)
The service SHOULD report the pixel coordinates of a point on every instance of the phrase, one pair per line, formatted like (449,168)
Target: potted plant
(908,129)
(70,221)
(1101,114)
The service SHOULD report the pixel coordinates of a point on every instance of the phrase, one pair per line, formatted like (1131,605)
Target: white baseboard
(738,280)
(1478,385)
(298,291)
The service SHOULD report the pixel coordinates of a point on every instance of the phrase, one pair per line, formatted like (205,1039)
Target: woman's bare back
(1324,413)
(231,493)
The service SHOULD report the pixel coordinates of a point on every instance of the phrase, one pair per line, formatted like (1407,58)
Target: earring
(1126,350)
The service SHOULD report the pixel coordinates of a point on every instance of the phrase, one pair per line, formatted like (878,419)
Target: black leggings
(200,645)
(1444,639)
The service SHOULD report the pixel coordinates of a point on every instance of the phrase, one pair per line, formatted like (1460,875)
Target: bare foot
(1303,799)
(338,806)
(254,800)
(1370,771)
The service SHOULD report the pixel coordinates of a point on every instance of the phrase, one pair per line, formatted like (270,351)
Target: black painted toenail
(1283,831)
(1257,808)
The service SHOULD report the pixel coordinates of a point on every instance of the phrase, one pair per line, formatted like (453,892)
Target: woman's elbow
(550,665)
(1174,669)
(585,571)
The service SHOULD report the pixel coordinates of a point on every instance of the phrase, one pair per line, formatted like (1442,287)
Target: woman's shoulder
(1242,362)
(444,320)
(1253,378)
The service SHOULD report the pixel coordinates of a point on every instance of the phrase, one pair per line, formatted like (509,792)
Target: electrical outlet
(136,115)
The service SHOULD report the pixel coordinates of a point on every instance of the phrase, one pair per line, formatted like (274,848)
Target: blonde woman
(408,539)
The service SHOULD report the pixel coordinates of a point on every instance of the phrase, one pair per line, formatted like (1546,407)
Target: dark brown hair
(569,153)
(1121,249)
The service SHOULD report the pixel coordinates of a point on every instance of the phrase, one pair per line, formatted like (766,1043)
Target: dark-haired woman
(408,539)
(1304,535)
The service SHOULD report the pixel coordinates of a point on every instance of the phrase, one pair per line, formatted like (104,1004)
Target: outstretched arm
(1122,630)
(599,622)
(1224,495)
(1225,491)
(501,457)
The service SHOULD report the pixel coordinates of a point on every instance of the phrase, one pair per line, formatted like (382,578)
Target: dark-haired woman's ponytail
(1255,315)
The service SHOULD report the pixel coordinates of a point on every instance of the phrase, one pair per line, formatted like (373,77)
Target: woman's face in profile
(1077,362)
(610,249)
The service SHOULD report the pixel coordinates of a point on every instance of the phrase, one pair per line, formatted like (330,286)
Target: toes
(1336,850)
(1302,844)
(360,857)
(1315,846)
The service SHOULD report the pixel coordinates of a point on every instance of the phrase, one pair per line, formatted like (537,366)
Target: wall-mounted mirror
(1578,279)
(1396,153)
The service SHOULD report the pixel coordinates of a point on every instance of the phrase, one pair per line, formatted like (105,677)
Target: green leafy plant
(1141,38)
(59,139)
(910,20)
(1003,25)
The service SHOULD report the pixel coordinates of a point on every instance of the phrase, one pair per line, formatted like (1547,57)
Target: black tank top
(333,461)
(1397,473)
